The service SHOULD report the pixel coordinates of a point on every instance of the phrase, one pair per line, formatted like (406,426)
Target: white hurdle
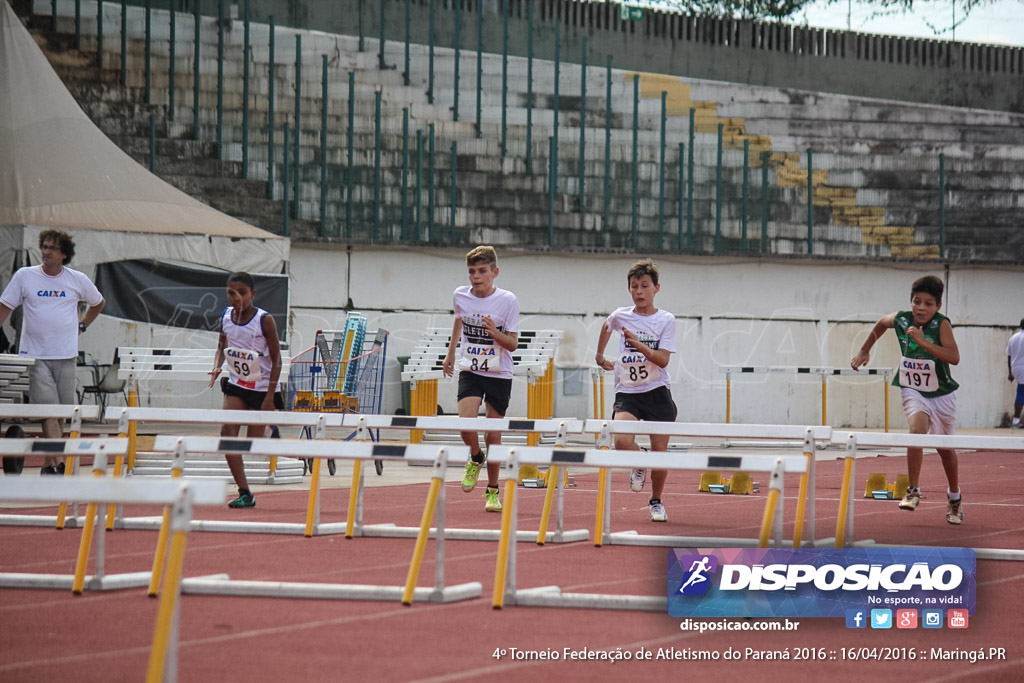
(823,374)
(276,473)
(853,440)
(183,496)
(55,489)
(435,507)
(561,428)
(42,412)
(511,457)
(605,431)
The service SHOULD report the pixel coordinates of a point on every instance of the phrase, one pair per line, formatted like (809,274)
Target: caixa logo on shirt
(776,582)
(52,294)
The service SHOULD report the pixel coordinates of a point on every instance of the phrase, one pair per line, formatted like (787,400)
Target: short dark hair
(63,240)
(1022,323)
(244,278)
(641,268)
(929,284)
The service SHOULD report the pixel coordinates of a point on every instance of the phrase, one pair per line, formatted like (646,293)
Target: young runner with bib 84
(486,329)
(249,343)
(927,388)
(642,384)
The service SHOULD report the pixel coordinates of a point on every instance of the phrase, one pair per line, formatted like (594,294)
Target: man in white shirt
(49,295)
(1015,366)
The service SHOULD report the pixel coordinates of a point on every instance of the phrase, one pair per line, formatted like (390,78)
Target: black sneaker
(60,468)
(49,469)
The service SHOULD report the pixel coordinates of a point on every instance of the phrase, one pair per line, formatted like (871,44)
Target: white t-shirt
(478,352)
(1015,350)
(50,323)
(634,373)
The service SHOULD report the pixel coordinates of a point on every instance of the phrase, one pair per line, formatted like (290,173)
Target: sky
(1001,22)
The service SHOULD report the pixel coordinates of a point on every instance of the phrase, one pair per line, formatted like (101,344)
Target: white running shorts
(941,410)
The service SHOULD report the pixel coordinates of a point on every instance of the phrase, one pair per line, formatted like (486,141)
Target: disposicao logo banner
(817,582)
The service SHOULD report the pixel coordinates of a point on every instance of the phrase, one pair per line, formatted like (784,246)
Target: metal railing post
(810,201)
(718,192)
(271,125)
(323,147)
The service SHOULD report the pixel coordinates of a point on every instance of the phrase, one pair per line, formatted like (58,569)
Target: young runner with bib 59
(642,384)
(249,344)
(928,349)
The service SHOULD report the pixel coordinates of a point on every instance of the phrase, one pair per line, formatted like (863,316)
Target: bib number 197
(918,373)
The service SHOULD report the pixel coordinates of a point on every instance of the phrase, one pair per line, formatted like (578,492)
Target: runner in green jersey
(927,349)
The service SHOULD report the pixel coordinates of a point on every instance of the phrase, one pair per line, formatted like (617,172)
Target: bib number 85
(637,373)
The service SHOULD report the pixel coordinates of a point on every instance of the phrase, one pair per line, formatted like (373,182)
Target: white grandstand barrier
(435,507)
(511,457)
(852,440)
(14,377)
(812,437)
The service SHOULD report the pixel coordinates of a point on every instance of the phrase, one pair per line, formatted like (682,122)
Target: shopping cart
(330,377)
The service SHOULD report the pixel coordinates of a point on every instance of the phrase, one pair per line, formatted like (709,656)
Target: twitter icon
(881,618)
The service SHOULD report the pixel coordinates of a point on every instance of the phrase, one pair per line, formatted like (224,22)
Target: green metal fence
(363,158)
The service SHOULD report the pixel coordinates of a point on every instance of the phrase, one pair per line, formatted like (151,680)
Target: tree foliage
(782,9)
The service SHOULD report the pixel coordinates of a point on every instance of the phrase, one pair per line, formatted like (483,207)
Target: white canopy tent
(57,169)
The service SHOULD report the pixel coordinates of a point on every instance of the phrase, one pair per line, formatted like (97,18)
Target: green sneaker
(493,504)
(244,500)
(471,475)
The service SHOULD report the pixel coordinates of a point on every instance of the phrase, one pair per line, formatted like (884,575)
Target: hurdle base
(328,591)
(1010,554)
(552,596)
(110,582)
(40,520)
(228,526)
(634,538)
(392,531)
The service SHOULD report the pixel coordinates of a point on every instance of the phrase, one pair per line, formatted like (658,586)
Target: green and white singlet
(919,369)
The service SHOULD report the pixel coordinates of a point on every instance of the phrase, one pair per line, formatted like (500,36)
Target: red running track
(51,635)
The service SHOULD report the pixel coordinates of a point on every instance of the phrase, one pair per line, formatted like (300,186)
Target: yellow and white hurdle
(605,431)
(511,457)
(854,440)
(434,510)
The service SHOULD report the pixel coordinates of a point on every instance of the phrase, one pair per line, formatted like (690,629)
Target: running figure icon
(697,571)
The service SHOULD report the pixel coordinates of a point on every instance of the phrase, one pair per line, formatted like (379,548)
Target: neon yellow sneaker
(493,504)
(471,475)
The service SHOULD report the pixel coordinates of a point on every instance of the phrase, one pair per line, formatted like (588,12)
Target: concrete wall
(778,55)
(729,312)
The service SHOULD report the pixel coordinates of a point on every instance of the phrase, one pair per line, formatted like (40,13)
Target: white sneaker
(658,513)
(637,479)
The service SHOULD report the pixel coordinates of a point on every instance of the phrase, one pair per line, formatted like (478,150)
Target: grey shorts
(52,382)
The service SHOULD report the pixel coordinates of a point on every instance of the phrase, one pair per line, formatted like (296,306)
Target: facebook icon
(856,618)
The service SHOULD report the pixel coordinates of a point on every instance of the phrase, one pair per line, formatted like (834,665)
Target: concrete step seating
(842,118)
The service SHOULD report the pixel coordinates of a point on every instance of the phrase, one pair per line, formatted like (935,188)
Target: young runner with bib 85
(642,384)
(486,329)
(928,349)
(249,343)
